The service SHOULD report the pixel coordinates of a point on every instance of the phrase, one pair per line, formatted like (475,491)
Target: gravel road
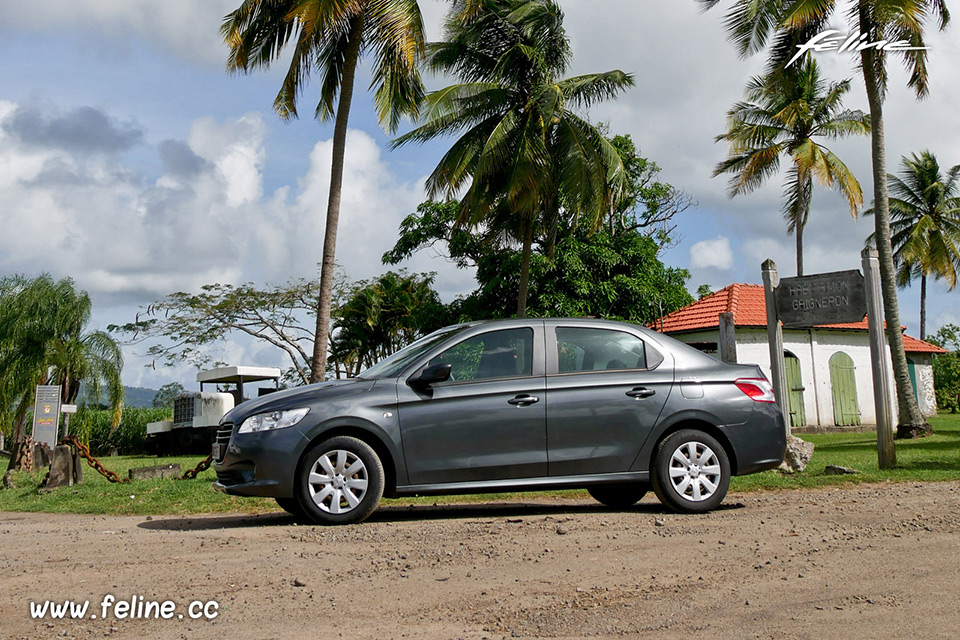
(875,561)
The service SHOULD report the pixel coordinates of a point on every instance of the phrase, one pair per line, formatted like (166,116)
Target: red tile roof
(746,303)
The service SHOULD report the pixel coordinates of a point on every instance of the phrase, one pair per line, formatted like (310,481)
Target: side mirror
(432,374)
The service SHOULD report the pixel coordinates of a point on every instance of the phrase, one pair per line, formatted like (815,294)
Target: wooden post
(728,338)
(775,338)
(886,453)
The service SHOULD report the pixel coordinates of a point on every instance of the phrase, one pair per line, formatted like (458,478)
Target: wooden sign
(824,298)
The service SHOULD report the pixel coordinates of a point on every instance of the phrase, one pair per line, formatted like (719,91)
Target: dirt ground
(860,562)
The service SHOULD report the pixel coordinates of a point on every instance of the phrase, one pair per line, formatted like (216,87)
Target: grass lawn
(932,459)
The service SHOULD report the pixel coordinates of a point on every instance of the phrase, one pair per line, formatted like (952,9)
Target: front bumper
(260,464)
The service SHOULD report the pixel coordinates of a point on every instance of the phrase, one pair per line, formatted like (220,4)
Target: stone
(77,468)
(835,470)
(162,471)
(42,455)
(61,469)
(797,456)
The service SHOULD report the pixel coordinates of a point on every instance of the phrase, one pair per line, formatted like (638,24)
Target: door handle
(523,400)
(641,392)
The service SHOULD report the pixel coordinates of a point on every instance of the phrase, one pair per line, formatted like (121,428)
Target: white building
(828,367)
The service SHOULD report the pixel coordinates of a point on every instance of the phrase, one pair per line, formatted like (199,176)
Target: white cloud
(715,253)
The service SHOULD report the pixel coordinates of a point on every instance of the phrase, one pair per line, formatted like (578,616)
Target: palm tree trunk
(911,423)
(525,267)
(328,261)
(799,232)
(923,305)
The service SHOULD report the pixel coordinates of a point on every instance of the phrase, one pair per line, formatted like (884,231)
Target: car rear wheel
(619,496)
(340,481)
(291,506)
(691,472)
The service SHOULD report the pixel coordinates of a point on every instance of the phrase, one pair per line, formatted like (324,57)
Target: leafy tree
(380,317)
(166,395)
(524,154)
(703,291)
(785,114)
(330,38)
(925,210)
(752,25)
(187,324)
(946,368)
(592,274)
(44,339)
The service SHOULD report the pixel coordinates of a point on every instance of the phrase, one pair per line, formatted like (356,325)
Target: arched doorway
(912,369)
(798,414)
(843,382)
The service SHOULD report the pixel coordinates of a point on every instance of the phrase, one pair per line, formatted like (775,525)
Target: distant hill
(138,396)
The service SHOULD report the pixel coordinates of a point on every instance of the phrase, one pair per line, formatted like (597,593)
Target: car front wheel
(340,481)
(691,472)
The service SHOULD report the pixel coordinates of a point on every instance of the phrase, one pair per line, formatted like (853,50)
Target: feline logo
(834,40)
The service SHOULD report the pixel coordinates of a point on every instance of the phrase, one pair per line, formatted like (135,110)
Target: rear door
(489,421)
(605,390)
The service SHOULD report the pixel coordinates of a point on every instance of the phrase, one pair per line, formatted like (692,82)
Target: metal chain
(93,462)
(113,477)
(189,474)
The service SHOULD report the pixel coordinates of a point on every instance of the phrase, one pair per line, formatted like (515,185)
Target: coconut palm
(925,224)
(524,151)
(44,340)
(329,38)
(781,26)
(785,114)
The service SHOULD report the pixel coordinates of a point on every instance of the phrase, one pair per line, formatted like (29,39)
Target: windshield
(393,365)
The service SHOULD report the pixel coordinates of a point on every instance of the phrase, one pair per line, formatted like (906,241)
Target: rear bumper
(260,464)
(761,442)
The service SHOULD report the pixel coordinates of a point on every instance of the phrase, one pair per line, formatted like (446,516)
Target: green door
(912,368)
(846,408)
(798,416)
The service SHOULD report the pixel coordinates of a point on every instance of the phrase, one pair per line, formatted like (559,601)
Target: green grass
(932,459)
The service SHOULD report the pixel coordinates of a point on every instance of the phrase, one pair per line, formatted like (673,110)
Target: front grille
(223,438)
(183,410)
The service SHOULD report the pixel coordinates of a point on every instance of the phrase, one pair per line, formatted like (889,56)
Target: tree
(524,155)
(785,114)
(166,394)
(752,25)
(382,316)
(330,38)
(617,276)
(925,225)
(946,368)
(186,324)
(44,340)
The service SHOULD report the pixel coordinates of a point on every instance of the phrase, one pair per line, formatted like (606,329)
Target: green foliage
(703,291)
(93,427)
(166,395)
(381,316)
(946,368)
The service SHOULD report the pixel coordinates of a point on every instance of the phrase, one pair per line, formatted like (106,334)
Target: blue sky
(132,162)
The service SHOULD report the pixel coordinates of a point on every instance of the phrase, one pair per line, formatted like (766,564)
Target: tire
(328,495)
(619,496)
(292,506)
(687,485)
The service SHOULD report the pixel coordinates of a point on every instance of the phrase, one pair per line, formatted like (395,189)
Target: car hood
(296,398)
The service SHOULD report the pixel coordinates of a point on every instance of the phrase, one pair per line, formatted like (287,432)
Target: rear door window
(582,349)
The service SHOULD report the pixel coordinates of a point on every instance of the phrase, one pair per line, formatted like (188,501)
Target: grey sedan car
(509,405)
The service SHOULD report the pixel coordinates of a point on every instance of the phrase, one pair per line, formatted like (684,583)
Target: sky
(131,161)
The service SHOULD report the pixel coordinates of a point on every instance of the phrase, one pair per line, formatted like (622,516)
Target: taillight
(758,389)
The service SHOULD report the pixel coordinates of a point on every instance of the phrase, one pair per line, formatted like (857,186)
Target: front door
(488,421)
(602,399)
(795,389)
(846,408)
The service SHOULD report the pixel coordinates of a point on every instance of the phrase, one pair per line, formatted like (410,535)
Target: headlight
(272,420)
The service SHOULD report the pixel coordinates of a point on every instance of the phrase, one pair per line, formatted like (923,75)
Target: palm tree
(784,115)
(43,340)
(329,38)
(925,225)
(785,25)
(523,152)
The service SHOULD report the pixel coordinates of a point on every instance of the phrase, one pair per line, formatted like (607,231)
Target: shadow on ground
(483,511)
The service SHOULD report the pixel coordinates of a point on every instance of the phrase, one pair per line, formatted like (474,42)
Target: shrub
(92,426)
